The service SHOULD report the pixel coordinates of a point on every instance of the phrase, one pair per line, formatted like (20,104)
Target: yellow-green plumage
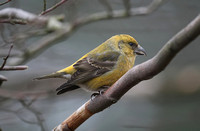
(102,66)
(110,77)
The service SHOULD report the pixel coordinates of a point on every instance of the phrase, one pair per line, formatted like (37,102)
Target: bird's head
(129,45)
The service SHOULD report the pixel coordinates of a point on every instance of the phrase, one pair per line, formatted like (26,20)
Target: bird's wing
(92,66)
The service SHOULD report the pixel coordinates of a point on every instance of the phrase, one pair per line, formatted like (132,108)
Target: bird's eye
(131,44)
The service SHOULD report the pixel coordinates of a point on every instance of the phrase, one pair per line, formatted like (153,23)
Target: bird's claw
(97,94)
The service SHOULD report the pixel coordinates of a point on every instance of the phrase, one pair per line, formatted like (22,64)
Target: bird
(97,70)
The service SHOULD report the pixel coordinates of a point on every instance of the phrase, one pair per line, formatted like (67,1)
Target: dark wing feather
(65,88)
(94,66)
(91,67)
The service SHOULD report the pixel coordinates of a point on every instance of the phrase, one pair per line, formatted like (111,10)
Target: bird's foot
(97,94)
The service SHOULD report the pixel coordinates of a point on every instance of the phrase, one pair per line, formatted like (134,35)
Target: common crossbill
(101,67)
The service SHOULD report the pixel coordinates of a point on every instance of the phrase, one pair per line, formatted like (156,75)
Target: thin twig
(45,5)
(11,68)
(5,59)
(53,7)
(5,2)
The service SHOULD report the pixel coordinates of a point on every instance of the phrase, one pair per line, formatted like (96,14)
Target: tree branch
(14,21)
(116,14)
(14,68)
(7,68)
(137,74)
(19,16)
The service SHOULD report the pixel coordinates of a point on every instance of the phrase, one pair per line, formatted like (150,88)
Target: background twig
(44,5)
(11,68)
(5,59)
(53,7)
(5,2)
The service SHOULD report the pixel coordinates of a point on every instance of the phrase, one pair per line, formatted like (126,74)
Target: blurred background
(169,101)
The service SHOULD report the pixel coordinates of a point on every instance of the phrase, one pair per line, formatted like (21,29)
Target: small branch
(14,21)
(15,15)
(53,7)
(5,2)
(117,14)
(5,59)
(45,5)
(44,43)
(14,68)
(137,74)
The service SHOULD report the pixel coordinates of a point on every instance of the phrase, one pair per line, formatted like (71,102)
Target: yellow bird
(101,67)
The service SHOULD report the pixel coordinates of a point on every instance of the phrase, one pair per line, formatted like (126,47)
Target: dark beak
(140,51)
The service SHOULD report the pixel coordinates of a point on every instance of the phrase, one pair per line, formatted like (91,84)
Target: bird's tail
(53,75)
